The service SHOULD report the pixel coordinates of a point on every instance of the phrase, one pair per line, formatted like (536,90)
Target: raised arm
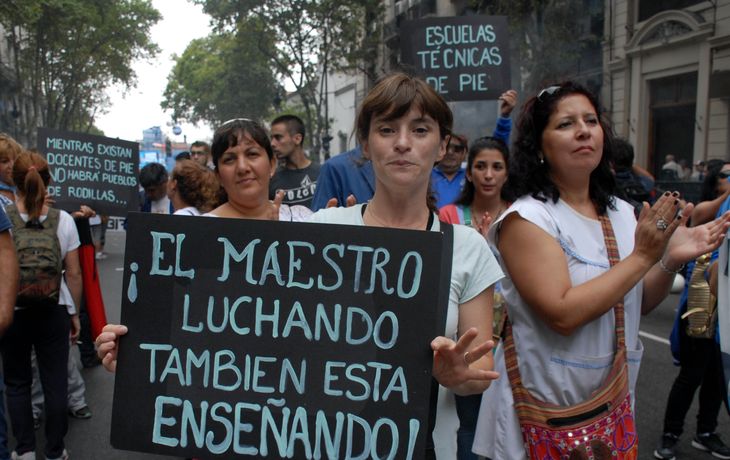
(538,268)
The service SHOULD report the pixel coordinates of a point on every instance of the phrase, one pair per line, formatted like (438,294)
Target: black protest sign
(465,58)
(97,171)
(277,339)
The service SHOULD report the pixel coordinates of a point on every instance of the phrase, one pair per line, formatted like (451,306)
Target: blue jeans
(467,407)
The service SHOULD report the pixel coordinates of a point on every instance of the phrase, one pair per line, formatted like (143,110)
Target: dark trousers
(700,365)
(47,331)
(467,408)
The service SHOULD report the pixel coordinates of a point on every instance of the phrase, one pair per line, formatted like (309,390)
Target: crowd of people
(551,270)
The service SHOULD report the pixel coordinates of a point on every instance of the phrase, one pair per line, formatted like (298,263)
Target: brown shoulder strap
(513,369)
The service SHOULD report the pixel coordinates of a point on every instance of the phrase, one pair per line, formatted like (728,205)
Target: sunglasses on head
(549,91)
(723,174)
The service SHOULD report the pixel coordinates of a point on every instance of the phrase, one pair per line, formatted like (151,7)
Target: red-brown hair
(31,176)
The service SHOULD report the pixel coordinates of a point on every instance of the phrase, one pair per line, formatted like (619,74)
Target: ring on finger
(466,358)
(661,224)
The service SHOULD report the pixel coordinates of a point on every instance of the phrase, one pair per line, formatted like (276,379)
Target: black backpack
(39,258)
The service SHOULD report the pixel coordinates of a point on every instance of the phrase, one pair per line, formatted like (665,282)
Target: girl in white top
(45,329)
(560,291)
(403,126)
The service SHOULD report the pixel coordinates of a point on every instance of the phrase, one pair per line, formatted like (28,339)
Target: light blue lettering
(197,427)
(300,321)
(331,442)
(186,314)
(234,324)
(230,251)
(360,250)
(211,308)
(158,255)
(246,428)
(330,377)
(225,444)
(332,327)
(295,264)
(280,435)
(340,249)
(364,318)
(192,361)
(174,367)
(271,265)
(299,432)
(393,435)
(349,372)
(153,348)
(190,273)
(219,367)
(161,421)
(414,425)
(352,420)
(273,318)
(378,268)
(397,383)
(297,379)
(258,374)
(417,270)
(394,330)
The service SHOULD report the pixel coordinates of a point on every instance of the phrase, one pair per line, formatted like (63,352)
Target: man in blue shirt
(447,178)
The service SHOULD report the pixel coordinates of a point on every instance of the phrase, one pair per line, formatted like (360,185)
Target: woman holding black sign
(404,127)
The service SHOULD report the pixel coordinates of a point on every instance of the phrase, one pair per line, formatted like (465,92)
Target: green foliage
(220,77)
(554,39)
(310,37)
(65,53)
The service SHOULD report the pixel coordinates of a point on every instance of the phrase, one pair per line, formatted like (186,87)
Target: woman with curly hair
(566,298)
(192,188)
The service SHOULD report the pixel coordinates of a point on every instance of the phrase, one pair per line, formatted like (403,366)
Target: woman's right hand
(650,240)
(106,345)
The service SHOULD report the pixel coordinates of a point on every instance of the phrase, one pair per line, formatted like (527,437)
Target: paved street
(89,439)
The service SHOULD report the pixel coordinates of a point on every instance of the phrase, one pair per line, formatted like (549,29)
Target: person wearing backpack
(46,243)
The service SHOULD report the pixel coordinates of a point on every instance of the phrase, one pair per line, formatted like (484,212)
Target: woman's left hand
(482,226)
(452,360)
(276,205)
(689,243)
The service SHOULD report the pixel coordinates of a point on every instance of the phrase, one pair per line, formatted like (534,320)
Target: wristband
(669,270)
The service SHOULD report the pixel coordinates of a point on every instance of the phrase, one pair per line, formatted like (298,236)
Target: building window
(672,120)
(648,8)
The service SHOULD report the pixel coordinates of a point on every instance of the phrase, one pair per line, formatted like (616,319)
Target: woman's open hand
(452,360)
(688,243)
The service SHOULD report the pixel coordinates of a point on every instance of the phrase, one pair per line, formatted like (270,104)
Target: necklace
(367,207)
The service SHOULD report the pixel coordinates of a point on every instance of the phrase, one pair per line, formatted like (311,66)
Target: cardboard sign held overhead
(97,171)
(276,339)
(465,58)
